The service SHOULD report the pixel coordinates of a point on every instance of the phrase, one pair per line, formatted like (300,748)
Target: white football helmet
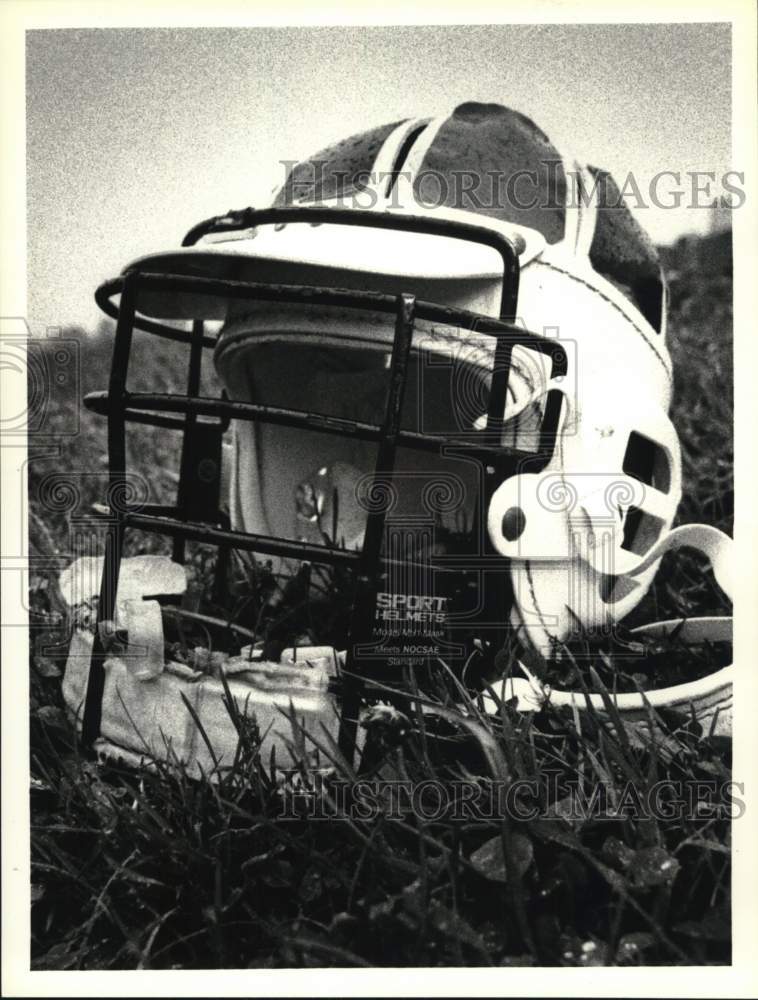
(528,474)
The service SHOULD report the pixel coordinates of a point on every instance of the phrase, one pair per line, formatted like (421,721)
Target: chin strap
(711,696)
(140,622)
(709,541)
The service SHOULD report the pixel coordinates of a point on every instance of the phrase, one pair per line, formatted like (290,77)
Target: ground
(154,870)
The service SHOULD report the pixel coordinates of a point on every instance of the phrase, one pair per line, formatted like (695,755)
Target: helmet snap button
(513,523)
(207,470)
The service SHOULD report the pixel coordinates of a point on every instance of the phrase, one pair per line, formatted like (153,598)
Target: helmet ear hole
(615,588)
(641,531)
(647,462)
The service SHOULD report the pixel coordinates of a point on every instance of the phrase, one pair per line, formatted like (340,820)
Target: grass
(149,869)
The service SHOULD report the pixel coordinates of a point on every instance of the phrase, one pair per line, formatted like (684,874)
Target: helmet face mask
(346,437)
(463,416)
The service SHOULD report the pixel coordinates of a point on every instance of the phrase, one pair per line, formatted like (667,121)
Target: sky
(133,135)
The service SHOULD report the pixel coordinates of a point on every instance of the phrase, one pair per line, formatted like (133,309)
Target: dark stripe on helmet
(622,251)
(494,161)
(338,170)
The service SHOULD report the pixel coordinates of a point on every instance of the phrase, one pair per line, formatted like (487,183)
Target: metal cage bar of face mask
(121,407)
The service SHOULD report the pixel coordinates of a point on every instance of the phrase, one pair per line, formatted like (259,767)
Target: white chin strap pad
(138,615)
